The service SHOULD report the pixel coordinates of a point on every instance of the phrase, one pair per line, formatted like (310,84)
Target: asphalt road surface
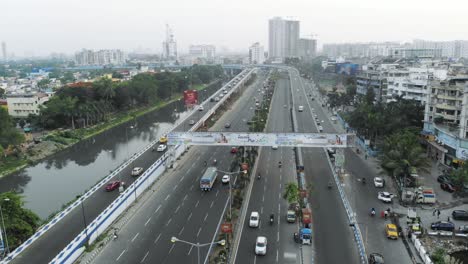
(364,197)
(53,241)
(333,238)
(266,197)
(178,207)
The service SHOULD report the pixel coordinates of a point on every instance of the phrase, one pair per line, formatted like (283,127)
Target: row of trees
(91,103)
(9,135)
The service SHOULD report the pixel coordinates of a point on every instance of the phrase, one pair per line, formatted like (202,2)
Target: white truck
(425,195)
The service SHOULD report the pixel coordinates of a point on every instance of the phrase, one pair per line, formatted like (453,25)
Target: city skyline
(54,28)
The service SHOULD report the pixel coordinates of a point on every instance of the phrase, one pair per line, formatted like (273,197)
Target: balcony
(447,107)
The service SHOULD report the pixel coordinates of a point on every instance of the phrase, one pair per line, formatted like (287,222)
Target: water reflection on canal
(58,179)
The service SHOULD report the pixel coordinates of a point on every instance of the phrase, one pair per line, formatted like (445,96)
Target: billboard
(190,97)
(260,139)
(346,68)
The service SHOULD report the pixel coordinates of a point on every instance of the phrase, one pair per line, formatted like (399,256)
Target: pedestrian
(448,218)
(386,214)
(438,213)
(365,156)
(434,212)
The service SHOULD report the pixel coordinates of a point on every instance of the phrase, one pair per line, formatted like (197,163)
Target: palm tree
(104,88)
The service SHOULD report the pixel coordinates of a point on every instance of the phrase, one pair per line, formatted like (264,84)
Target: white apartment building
(283,38)
(202,51)
(446,119)
(256,54)
(449,49)
(101,57)
(22,105)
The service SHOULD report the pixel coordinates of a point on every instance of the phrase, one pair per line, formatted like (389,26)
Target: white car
(201,108)
(274,147)
(261,245)
(254,219)
(137,171)
(161,148)
(385,197)
(225,179)
(320,128)
(379,182)
(191,122)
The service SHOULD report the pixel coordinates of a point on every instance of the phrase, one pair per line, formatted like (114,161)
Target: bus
(208,179)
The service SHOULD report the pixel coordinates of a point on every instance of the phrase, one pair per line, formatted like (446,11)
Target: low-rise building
(22,105)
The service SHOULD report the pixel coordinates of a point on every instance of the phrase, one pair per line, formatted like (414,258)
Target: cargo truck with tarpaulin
(208,179)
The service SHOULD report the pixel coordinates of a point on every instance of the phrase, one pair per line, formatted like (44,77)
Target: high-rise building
(306,48)
(283,38)
(202,51)
(170,45)
(4,51)
(256,54)
(101,57)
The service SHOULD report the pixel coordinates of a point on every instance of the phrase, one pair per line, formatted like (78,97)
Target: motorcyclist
(215,161)
(258,175)
(279,164)
(363,180)
(272,218)
(330,185)
(372,211)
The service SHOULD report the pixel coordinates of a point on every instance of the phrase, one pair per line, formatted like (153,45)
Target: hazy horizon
(38,28)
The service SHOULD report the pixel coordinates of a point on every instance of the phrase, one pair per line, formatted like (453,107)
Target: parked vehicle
(234,150)
(225,179)
(391,231)
(208,179)
(463,229)
(227,125)
(460,214)
(443,225)
(274,147)
(201,108)
(448,187)
(444,179)
(425,195)
(191,122)
(304,236)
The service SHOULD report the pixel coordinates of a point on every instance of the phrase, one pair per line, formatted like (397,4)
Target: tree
(460,176)
(104,88)
(44,83)
(401,152)
(291,193)
(9,135)
(370,95)
(20,223)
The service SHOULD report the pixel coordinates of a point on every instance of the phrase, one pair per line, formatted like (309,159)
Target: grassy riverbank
(61,139)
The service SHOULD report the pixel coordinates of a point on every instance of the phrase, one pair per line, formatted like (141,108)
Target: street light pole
(198,245)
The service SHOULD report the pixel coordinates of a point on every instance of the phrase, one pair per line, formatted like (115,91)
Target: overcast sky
(39,27)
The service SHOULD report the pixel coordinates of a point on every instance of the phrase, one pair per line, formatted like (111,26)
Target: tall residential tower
(4,51)
(283,38)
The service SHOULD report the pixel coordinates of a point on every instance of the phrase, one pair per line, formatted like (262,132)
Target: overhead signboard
(261,139)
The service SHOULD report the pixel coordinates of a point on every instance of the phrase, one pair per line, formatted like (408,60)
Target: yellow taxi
(391,231)
(163,139)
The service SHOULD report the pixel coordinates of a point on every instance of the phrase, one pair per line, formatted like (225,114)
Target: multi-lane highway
(363,197)
(178,207)
(54,240)
(266,196)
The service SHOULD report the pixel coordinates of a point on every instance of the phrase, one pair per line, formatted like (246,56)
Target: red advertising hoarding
(190,97)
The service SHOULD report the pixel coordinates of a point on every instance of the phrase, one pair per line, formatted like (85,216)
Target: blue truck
(208,179)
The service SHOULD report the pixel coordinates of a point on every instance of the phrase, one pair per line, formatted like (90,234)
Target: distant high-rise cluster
(101,57)
(4,51)
(284,41)
(202,51)
(170,45)
(256,54)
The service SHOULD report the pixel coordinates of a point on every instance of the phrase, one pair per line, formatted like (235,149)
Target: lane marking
(212,203)
(196,205)
(159,207)
(217,191)
(206,216)
(185,197)
(177,209)
(156,241)
(263,198)
(143,260)
(170,250)
(190,250)
(168,222)
(277,255)
(175,187)
(190,216)
(182,230)
(277,237)
(147,221)
(261,210)
(191,187)
(199,230)
(121,254)
(167,197)
(133,239)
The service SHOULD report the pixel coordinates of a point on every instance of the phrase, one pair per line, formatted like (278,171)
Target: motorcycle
(330,185)
(272,219)
(363,180)
(258,176)
(372,212)
(214,162)
(279,165)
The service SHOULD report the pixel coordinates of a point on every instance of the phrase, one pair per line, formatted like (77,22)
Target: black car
(444,179)
(448,187)
(227,125)
(376,258)
(460,215)
(443,225)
